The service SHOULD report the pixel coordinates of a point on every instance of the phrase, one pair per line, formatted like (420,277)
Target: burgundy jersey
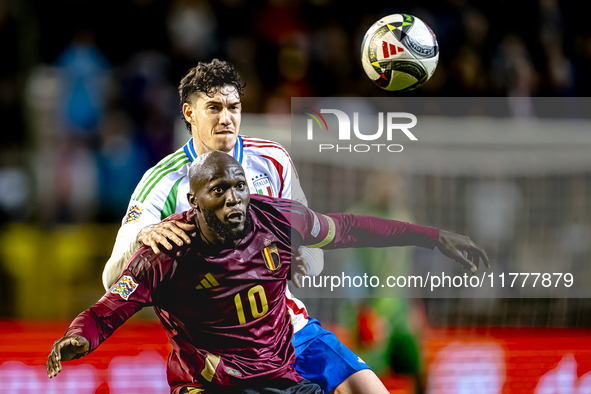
(225,314)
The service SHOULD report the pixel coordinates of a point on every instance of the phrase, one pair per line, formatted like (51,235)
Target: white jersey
(163,190)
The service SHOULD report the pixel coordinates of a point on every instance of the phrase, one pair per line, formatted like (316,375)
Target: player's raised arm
(335,231)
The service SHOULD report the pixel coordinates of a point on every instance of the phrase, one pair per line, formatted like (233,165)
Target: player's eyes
(217,190)
(241,186)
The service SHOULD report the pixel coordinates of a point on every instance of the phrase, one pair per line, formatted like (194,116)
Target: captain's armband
(316,230)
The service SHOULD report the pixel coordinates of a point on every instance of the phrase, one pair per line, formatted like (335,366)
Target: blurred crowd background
(89,101)
(88,88)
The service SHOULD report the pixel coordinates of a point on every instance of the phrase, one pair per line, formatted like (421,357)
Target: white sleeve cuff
(315,259)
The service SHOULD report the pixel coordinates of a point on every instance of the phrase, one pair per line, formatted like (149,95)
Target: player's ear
(188,112)
(192,201)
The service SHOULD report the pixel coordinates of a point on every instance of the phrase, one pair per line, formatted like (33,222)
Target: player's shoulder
(259,146)
(145,260)
(185,217)
(172,161)
(164,175)
(146,266)
(280,207)
(145,263)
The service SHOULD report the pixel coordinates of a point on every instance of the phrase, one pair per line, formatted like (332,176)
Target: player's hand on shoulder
(166,233)
(298,268)
(462,249)
(65,349)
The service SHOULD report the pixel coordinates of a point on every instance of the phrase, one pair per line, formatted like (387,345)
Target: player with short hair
(221,298)
(210,96)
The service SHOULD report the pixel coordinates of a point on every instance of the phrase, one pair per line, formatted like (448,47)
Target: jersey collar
(238,150)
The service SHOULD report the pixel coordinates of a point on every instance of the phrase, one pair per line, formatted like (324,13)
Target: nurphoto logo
(393,127)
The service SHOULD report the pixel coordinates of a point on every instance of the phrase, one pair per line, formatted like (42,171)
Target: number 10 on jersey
(254,307)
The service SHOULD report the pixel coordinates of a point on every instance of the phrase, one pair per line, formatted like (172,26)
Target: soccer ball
(399,52)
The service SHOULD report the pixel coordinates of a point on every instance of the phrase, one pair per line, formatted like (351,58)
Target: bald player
(221,298)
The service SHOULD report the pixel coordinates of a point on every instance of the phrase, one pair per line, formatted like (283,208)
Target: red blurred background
(459,360)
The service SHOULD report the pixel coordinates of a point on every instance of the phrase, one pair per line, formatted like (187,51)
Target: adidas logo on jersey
(207,282)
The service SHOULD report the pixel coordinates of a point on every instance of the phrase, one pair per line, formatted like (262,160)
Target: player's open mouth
(235,217)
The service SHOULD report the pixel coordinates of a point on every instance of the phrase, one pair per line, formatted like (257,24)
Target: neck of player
(201,147)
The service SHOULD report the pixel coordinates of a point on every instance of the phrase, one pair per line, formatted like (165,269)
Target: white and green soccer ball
(399,52)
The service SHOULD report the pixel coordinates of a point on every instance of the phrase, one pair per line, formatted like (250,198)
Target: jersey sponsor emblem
(233,372)
(263,186)
(316,227)
(271,257)
(133,215)
(207,282)
(125,287)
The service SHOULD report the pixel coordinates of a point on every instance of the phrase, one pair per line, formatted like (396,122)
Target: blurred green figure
(386,329)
